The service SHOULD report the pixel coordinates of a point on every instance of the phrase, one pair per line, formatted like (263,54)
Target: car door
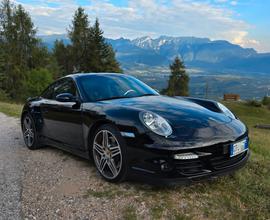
(63,120)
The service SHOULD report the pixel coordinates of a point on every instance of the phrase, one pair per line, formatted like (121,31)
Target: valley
(215,66)
(207,84)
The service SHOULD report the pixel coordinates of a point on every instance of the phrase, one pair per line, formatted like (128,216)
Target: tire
(29,133)
(109,153)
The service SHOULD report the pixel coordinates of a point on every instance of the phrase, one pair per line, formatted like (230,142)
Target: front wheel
(29,133)
(109,154)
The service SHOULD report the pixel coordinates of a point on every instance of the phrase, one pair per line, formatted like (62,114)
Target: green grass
(243,195)
(11,109)
(107,194)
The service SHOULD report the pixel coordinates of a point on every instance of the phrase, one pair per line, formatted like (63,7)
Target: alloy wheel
(28,131)
(107,154)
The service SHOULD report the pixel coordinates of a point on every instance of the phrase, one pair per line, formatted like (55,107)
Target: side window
(48,93)
(66,86)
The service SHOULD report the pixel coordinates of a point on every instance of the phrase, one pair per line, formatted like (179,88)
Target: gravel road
(11,168)
(52,184)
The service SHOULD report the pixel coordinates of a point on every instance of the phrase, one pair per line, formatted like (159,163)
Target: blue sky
(243,22)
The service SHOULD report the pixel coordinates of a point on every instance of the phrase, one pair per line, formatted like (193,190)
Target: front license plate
(239,147)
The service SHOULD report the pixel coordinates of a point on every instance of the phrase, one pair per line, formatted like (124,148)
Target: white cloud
(146,17)
(233,3)
(241,39)
(221,1)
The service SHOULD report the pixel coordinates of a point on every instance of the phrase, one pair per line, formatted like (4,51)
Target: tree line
(27,66)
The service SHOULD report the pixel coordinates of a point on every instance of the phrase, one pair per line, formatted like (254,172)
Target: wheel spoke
(102,164)
(115,151)
(31,134)
(99,149)
(29,140)
(26,133)
(27,123)
(105,140)
(112,167)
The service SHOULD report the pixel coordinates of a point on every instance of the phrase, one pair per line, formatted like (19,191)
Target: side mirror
(65,97)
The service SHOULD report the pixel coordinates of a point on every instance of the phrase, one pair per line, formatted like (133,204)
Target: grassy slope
(13,110)
(245,194)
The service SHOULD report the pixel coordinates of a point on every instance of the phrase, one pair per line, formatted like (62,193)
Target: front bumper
(158,167)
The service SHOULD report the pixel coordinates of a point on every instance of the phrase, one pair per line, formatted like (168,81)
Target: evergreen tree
(2,68)
(89,50)
(22,50)
(63,57)
(179,80)
(103,59)
(24,35)
(79,35)
(6,29)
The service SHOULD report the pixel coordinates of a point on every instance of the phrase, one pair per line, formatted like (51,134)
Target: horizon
(242,22)
(155,38)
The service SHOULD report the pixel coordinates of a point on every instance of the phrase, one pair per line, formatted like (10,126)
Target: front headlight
(226,111)
(156,123)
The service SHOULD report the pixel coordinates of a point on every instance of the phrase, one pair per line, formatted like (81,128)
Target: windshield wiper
(125,97)
(148,94)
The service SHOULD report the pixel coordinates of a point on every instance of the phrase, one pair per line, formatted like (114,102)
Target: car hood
(193,124)
(178,112)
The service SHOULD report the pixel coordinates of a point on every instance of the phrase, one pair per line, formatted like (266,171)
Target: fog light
(185,156)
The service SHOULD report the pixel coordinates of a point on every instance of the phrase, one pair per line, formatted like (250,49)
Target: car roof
(78,75)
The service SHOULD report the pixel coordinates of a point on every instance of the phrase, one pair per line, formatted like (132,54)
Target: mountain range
(217,56)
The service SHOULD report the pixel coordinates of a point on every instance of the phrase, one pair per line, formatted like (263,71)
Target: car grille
(218,159)
(189,167)
(225,161)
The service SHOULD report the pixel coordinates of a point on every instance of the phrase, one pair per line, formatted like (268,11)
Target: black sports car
(131,131)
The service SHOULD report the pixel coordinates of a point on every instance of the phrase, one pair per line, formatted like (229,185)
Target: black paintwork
(196,123)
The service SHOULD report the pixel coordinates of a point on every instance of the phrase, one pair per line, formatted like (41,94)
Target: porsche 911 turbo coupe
(131,131)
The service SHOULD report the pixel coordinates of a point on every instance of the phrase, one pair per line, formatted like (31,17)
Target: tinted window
(61,86)
(65,86)
(48,93)
(102,87)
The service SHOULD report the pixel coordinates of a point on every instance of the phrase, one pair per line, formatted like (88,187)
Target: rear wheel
(29,132)
(109,153)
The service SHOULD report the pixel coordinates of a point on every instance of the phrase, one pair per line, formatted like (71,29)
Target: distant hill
(203,53)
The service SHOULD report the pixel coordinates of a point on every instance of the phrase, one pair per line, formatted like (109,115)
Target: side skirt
(65,147)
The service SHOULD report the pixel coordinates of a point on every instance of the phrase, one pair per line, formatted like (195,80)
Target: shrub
(266,100)
(3,96)
(254,103)
(37,80)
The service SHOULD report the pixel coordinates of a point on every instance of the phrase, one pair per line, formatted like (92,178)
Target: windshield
(105,87)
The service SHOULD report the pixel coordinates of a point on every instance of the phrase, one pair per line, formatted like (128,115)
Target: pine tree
(103,54)
(79,34)
(63,57)
(179,80)
(25,37)
(20,42)
(22,50)
(2,67)
(90,52)
(6,29)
